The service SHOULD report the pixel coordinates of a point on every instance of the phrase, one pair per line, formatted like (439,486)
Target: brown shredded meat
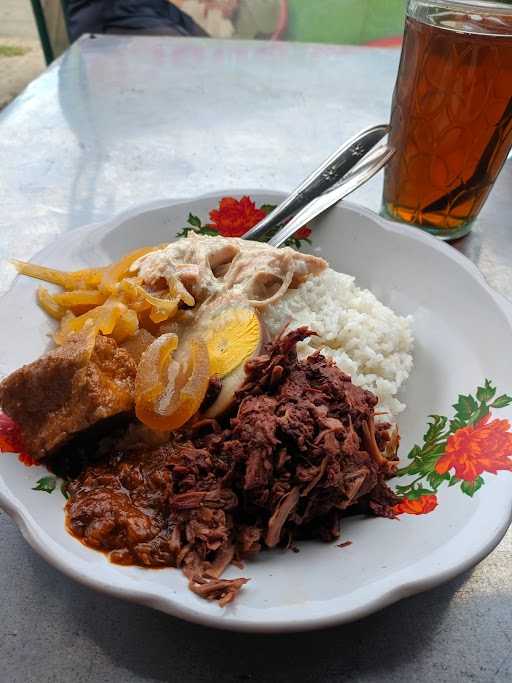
(301,450)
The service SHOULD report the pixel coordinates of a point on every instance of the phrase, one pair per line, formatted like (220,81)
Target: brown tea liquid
(451,121)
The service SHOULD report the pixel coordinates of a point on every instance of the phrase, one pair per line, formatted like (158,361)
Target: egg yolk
(232,336)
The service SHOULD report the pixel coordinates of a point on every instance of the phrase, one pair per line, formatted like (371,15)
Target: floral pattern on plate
(458,451)
(234,217)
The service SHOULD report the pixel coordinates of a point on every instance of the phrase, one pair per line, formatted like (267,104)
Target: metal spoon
(365,170)
(329,173)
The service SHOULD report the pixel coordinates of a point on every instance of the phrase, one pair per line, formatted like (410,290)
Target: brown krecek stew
(301,449)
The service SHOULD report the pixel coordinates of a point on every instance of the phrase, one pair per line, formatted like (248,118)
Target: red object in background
(282,22)
(386,42)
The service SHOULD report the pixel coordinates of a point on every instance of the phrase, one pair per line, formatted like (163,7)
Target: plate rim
(34,535)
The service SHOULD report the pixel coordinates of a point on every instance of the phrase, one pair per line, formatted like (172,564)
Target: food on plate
(233,336)
(171,382)
(302,447)
(70,389)
(211,398)
(208,266)
(152,285)
(366,339)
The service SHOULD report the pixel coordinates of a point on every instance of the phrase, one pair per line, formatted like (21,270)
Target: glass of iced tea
(451,120)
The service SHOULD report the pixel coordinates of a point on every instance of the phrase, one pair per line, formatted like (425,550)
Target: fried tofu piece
(67,391)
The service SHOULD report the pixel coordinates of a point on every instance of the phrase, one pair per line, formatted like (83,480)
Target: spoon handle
(329,173)
(368,167)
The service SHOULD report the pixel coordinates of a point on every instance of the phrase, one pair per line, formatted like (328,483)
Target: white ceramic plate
(463,335)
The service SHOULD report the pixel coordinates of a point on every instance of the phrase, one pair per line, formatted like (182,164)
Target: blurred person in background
(214,18)
(378,22)
(159,17)
(371,22)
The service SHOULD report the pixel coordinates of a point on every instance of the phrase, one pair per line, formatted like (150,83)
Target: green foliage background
(345,21)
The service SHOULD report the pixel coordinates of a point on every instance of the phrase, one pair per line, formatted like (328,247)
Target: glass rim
(481,6)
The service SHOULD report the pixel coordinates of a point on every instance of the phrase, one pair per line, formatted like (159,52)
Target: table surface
(121,121)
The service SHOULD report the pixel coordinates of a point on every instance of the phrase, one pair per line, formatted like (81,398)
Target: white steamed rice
(366,339)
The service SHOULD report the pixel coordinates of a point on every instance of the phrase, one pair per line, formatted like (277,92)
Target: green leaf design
(184,231)
(292,241)
(427,461)
(46,484)
(409,469)
(195,221)
(402,489)
(416,493)
(456,424)
(267,208)
(423,460)
(465,407)
(414,467)
(205,230)
(471,487)
(415,452)
(296,243)
(430,458)
(435,480)
(486,393)
(64,489)
(502,401)
(435,428)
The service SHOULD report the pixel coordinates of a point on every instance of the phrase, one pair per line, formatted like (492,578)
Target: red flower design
(417,506)
(233,218)
(27,459)
(303,233)
(483,447)
(10,435)
(10,440)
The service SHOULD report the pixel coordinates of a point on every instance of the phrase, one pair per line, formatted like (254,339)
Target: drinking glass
(451,120)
